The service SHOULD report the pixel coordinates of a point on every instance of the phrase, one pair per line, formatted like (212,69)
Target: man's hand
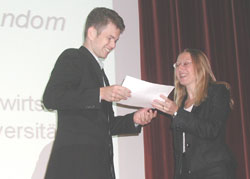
(114,93)
(144,116)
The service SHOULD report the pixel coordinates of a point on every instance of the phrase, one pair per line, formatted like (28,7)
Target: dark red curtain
(220,28)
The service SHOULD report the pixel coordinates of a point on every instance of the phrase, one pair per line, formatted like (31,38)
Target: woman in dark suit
(200,110)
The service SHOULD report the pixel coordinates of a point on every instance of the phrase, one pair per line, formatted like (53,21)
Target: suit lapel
(94,63)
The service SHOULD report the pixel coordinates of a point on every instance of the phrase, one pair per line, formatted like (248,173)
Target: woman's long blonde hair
(204,76)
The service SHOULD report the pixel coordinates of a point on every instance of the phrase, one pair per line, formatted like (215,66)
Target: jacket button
(187,145)
(90,107)
(189,171)
(178,127)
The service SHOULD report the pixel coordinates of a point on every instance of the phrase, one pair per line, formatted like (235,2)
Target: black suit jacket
(205,128)
(83,144)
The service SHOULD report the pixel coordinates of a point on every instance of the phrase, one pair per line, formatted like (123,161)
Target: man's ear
(92,33)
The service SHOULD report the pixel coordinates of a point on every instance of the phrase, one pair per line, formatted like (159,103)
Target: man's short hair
(99,17)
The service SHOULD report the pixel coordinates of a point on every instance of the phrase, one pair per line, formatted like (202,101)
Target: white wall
(127,62)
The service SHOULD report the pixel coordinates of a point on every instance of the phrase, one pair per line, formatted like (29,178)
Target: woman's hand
(167,106)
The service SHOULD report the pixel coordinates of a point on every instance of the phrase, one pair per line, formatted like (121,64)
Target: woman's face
(185,72)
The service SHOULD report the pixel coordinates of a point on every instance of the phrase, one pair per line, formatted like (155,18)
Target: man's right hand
(114,93)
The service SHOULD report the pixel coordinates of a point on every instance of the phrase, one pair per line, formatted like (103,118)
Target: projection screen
(33,33)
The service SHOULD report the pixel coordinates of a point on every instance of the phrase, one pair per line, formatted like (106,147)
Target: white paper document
(143,93)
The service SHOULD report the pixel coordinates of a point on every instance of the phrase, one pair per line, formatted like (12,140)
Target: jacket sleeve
(124,125)
(208,119)
(66,89)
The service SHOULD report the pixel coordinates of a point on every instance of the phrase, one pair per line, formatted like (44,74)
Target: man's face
(102,44)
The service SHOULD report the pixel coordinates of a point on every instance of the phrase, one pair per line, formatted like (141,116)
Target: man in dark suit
(80,92)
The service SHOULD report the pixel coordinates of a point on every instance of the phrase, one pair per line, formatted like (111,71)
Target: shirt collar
(99,61)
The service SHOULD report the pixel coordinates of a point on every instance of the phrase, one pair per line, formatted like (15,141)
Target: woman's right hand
(167,106)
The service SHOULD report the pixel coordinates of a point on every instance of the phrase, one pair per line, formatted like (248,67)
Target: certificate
(143,93)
